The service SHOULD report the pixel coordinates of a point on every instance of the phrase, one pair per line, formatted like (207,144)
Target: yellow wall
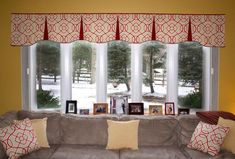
(10,81)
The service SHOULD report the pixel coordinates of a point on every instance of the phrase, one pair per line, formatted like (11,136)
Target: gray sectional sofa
(85,137)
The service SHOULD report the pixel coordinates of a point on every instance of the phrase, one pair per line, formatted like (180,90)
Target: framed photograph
(119,104)
(136,108)
(100,108)
(169,108)
(183,111)
(155,110)
(71,106)
(84,111)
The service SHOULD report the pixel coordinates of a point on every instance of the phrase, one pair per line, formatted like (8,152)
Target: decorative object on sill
(84,111)
(208,138)
(71,106)
(155,110)
(136,108)
(212,117)
(169,108)
(207,29)
(183,111)
(100,108)
(118,104)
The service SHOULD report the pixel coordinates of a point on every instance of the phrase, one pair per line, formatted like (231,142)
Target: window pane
(154,74)
(119,69)
(190,75)
(83,74)
(48,74)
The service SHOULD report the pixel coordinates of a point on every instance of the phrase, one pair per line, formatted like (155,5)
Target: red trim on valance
(153,30)
(81,34)
(117,37)
(207,29)
(189,31)
(45,36)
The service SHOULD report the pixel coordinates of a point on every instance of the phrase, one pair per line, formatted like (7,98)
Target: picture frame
(71,106)
(136,108)
(183,111)
(84,111)
(118,104)
(100,108)
(155,110)
(169,108)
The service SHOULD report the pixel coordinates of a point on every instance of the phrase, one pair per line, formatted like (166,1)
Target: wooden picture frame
(155,110)
(84,111)
(183,111)
(71,107)
(169,108)
(136,108)
(100,108)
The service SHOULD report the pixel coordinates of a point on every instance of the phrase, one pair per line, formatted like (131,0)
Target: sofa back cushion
(53,123)
(187,125)
(85,130)
(155,130)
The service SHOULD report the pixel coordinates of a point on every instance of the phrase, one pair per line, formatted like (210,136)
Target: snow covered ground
(85,93)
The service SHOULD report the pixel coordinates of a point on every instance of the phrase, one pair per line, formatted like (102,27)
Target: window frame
(28,82)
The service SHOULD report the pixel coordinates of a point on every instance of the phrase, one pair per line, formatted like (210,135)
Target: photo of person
(119,104)
(169,108)
(136,108)
(155,109)
(71,106)
(84,111)
(100,108)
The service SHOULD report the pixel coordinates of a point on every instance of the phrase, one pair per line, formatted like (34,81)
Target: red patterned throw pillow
(208,138)
(18,139)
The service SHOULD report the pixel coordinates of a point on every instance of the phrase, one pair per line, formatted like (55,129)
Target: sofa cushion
(53,123)
(85,130)
(194,154)
(43,153)
(187,125)
(84,152)
(155,130)
(5,120)
(161,152)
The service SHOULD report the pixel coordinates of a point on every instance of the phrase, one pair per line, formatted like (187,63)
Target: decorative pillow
(208,138)
(229,141)
(122,134)
(18,139)
(40,128)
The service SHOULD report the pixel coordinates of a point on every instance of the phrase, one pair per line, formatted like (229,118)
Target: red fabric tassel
(45,37)
(153,30)
(190,31)
(81,37)
(117,30)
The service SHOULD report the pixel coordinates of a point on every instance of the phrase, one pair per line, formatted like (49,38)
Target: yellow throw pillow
(40,128)
(122,134)
(229,142)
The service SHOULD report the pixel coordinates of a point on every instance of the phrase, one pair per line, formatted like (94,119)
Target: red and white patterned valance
(28,28)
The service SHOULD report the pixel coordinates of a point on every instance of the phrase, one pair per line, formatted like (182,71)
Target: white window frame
(28,71)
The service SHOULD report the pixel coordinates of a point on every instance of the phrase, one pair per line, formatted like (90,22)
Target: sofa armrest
(5,120)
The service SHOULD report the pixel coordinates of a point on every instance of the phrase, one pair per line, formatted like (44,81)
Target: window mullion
(66,74)
(101,73)
(136,73)
(172,73)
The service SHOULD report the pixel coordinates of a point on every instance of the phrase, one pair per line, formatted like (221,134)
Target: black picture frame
(136,108)
(169,108)
(183,111)
(71,107)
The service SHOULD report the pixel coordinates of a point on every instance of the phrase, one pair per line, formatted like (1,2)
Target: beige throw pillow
(40,128)
(229,142)
(123,134)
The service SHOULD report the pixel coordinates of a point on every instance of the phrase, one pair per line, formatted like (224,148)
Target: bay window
(151,72)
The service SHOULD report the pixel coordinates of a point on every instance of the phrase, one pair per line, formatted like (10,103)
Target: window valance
(207,29)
